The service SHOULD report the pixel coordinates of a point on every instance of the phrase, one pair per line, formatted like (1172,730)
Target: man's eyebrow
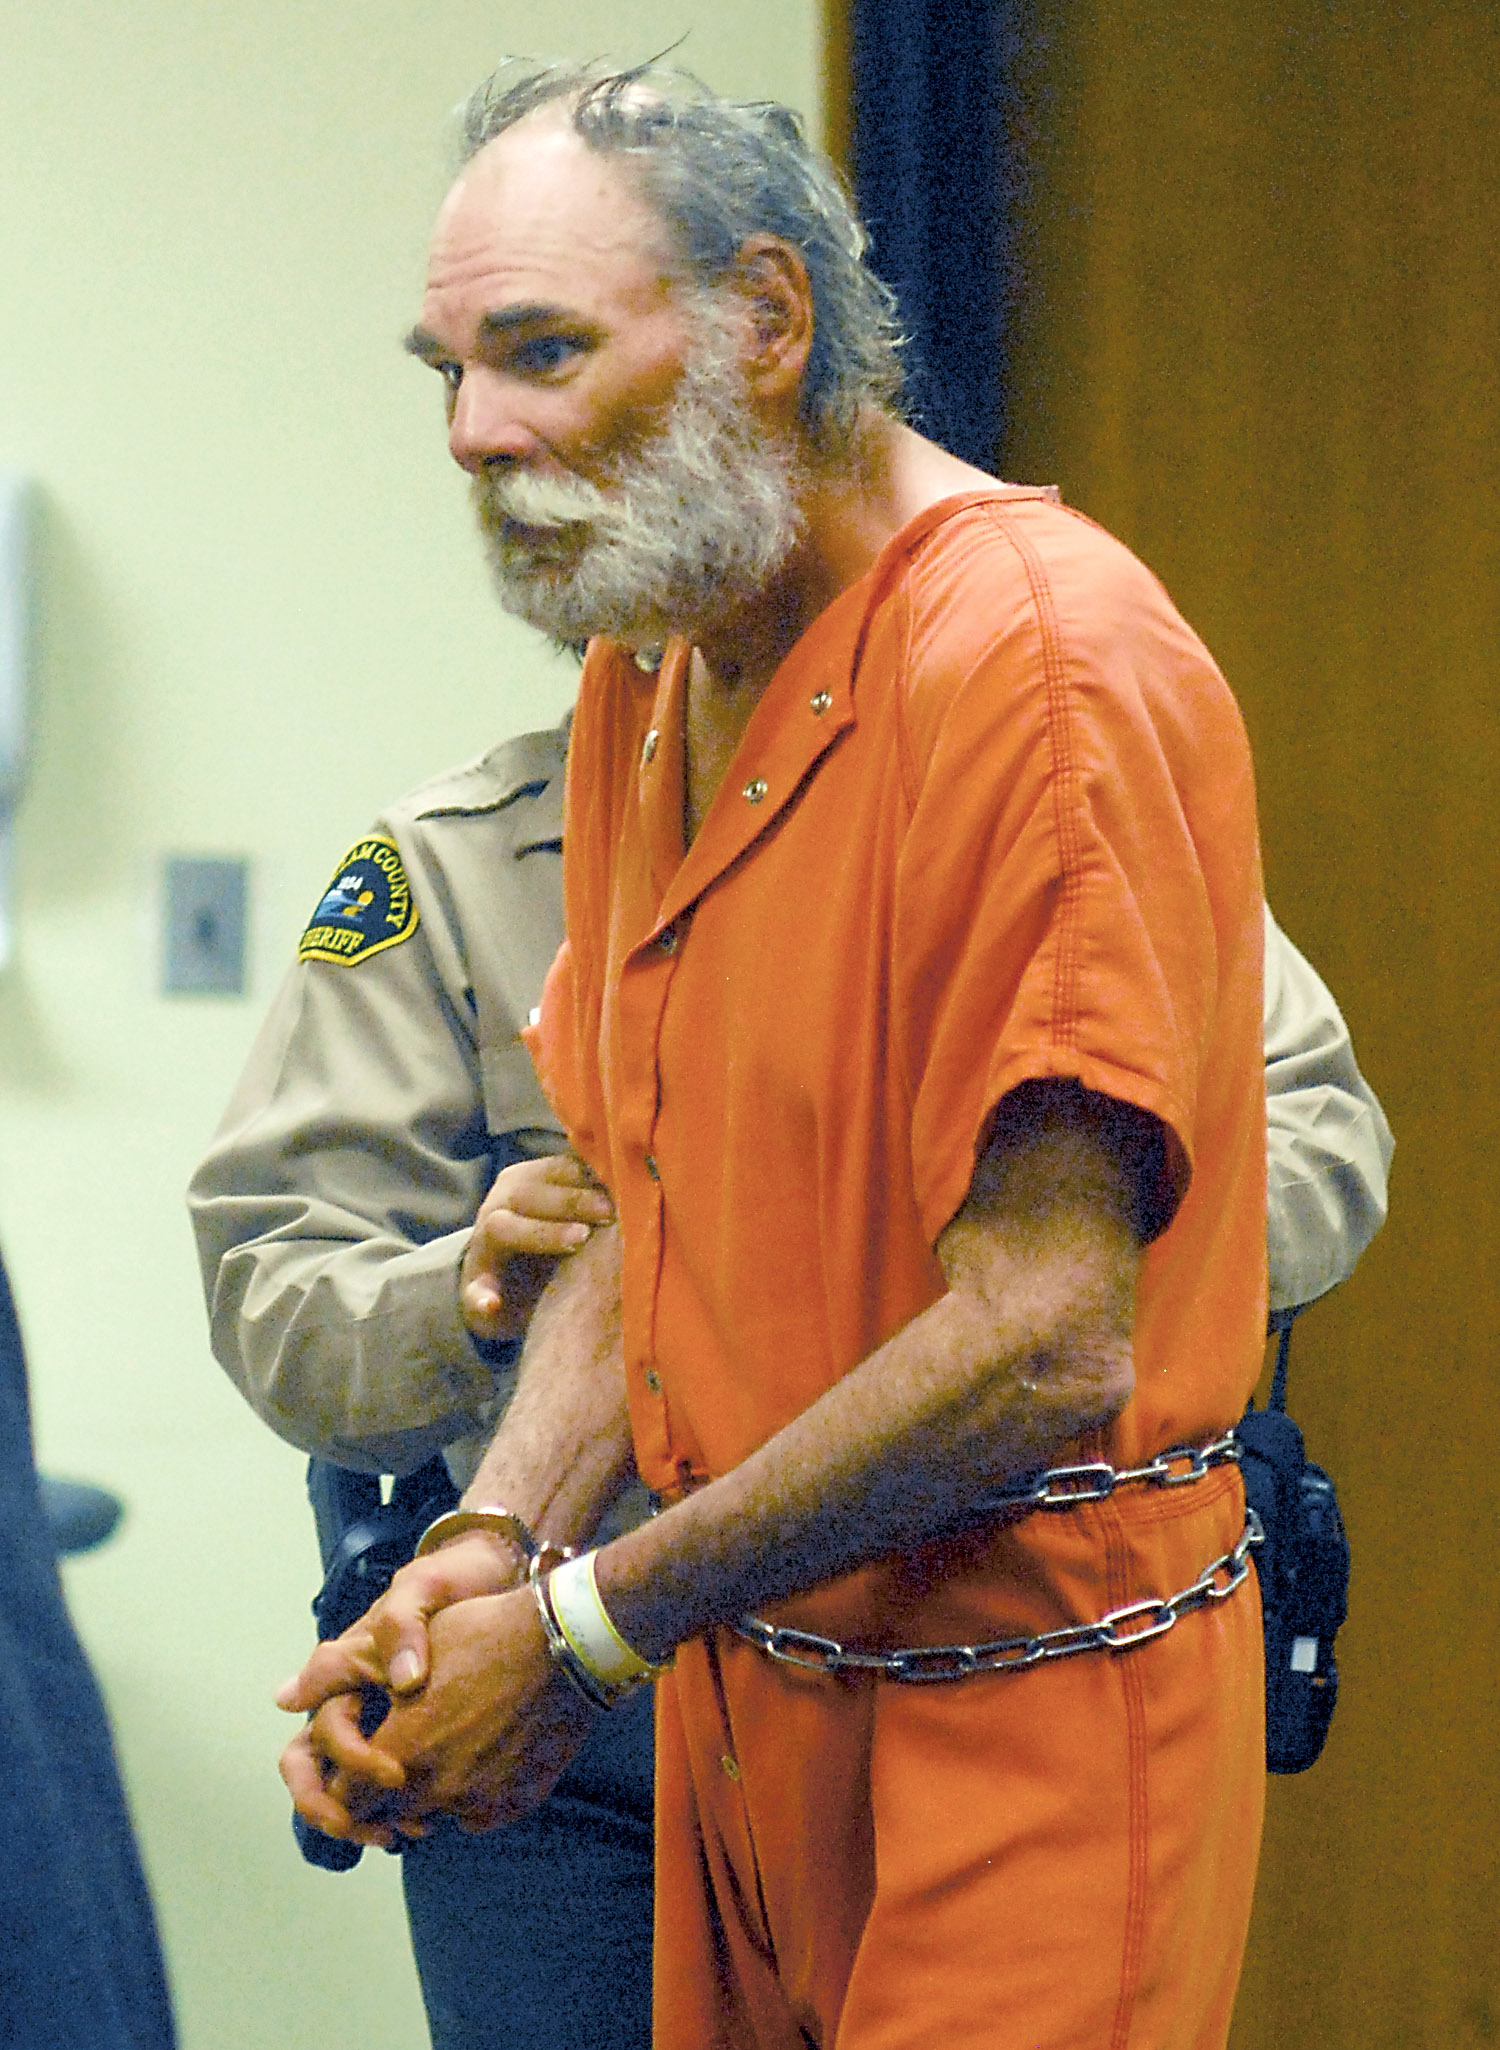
(505,320)
(535,314)
(420,343)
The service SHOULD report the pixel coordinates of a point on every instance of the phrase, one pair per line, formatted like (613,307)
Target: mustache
(526,500)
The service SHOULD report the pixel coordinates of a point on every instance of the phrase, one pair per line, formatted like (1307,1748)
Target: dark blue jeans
(538,1936)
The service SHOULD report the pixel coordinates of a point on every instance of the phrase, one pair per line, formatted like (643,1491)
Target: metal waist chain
(1095,1480)
(1121,1630)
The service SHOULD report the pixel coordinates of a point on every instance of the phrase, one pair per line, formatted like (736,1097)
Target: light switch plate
(203,926)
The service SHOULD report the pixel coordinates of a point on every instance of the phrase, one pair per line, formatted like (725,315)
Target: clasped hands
(443,1697)
(479,1724)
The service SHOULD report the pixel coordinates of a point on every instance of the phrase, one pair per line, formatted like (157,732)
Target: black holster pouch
(1303,1568)
(365,1539)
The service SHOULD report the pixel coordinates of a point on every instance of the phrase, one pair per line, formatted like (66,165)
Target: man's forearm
(563,1452)
(1030,1348)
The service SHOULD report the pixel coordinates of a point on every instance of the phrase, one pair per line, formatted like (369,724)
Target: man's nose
(485,425)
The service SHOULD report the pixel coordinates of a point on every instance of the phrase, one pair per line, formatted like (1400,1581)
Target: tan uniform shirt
(333,1210)
(1328,1146)
(334,1207)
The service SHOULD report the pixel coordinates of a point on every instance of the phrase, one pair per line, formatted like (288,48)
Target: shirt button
(667,939)
(731,1767)
(755,790)
(648,748)
(822,703)
(653,1380)
(652,1169)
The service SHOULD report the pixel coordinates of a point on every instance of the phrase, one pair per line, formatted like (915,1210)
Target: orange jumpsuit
(993,819)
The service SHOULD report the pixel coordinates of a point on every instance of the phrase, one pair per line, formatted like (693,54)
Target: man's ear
(777,293)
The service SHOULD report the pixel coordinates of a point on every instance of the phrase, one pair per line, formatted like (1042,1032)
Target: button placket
(807,724)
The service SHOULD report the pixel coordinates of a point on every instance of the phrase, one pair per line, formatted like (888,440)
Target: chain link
(1064,1487)
(1121,1630)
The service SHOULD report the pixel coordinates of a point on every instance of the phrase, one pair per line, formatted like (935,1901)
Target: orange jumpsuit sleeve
(1056,915)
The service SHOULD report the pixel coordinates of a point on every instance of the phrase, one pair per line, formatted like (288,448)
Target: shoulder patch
(367,907)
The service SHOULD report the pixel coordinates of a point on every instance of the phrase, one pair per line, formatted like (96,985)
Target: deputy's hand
(537,1212)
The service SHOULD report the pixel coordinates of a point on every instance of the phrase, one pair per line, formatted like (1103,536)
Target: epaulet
(526,764)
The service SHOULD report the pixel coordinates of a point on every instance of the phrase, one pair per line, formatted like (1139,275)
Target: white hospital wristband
(584,1621)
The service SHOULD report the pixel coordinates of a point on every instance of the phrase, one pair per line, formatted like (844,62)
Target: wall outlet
(203,926)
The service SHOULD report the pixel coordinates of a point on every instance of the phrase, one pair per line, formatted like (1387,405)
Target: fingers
(537,1212)
(557,1190)
(486,1742)
(558,1187)
(338,1781)
(476,1565)
(387,1647)
(398,1623)
(341,1665)
(523,1179)
(304,1783)
(354,1771)
(502,1235)
(492,1307)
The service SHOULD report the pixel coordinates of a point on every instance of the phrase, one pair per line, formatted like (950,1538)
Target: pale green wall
(261,613)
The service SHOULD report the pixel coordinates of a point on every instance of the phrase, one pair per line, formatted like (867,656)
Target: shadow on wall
(32,1066)
(74,810)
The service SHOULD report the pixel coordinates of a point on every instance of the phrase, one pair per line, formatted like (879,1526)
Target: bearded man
(910,1012)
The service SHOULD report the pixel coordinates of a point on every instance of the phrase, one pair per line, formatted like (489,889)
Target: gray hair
(716,173)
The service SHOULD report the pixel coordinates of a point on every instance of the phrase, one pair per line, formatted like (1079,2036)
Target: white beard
(688,529)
